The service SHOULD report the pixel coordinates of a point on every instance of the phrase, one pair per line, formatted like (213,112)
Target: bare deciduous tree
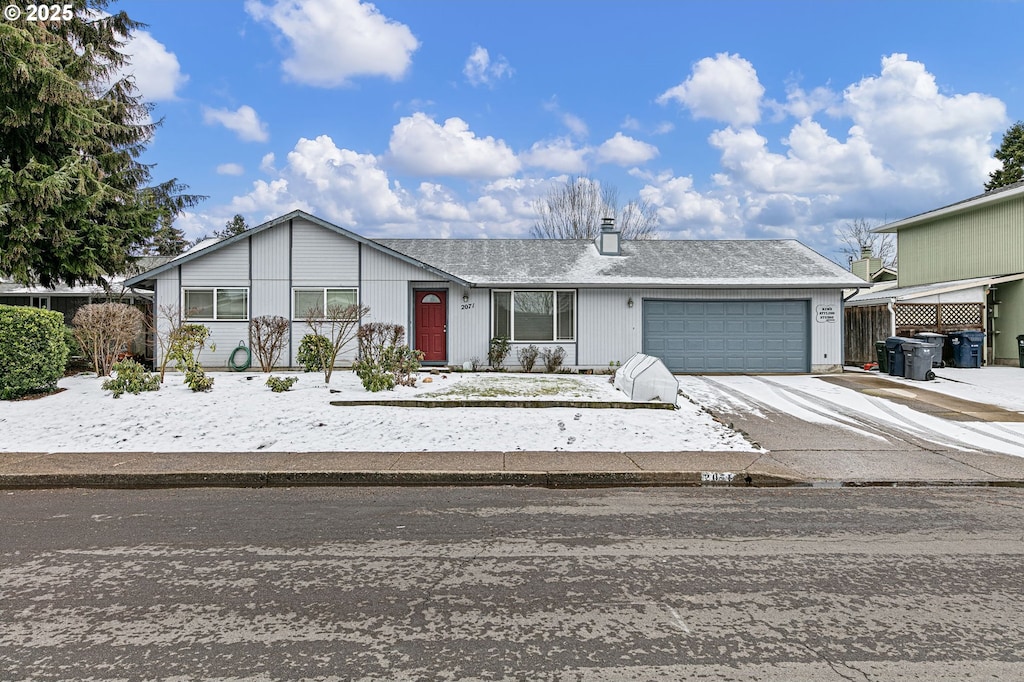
(339,325)
(105,331)
(268,334)
(164,328)
(575,211)
(856,237)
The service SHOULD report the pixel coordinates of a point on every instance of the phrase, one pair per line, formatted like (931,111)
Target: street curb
(288,479)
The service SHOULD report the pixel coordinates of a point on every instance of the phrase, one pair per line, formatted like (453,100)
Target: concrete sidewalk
(548,469)
(258,469)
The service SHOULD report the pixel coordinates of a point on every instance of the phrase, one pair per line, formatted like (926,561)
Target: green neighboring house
(962,267)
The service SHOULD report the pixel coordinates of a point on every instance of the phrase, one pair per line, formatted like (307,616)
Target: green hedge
(33,353)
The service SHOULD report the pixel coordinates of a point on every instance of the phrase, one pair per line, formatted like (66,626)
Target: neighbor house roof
(651,263)
(992,196)
(11,288)
(888,291)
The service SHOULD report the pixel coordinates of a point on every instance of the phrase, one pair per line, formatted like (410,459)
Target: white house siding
(386,287)
(166,297)
(972,295)
(608,329)
(469,324)
(225,267)
(322,258)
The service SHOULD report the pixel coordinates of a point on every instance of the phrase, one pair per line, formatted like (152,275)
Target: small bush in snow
(279,385)
(197,380)
(188,343)
(528,357)
(384,359)
(552,359)
(312,348)
(498,351)
(131,377)
(269,333)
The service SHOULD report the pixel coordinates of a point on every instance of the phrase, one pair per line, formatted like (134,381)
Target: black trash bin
(966,346)
(882,356)
(894,349)
(1020,349)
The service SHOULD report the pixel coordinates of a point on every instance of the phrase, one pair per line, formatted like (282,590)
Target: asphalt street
(512,584)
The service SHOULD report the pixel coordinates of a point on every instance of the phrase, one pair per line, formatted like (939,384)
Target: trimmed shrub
(528,357)
(552,359)
(33,353)
(188,343)
(268,334)
(314,350)
(498,350)
(384,359)
(279,385)
(105,331)
(131,378)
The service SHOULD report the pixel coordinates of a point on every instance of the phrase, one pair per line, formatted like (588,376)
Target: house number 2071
(467,306)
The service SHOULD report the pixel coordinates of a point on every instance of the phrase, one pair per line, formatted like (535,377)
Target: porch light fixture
(629,303)
(465,298)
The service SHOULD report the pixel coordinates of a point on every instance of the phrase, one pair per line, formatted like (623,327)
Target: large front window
(317,303)
(216,304)
(535,315)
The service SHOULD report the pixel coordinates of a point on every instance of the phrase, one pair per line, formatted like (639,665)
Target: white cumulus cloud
(154,69)
(230,169)
(333,41)
(244,121)
(559,155)
(625,151)
(724,88)
(420,145)
(480,70)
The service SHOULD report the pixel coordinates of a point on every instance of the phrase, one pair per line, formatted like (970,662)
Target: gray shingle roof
(654,263)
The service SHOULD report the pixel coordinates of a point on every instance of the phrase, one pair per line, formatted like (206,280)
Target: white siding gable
(322,258)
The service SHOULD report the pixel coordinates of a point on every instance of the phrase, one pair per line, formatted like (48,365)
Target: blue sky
(449,119)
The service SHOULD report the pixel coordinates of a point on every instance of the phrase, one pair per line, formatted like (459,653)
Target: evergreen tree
(166,241)
(236,225)
(75,201)
(1011,153)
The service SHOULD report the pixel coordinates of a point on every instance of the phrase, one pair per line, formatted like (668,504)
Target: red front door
(432,325)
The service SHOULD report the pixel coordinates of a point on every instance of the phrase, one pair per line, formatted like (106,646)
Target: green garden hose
(240,366)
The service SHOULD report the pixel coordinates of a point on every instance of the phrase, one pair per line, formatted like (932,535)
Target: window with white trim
(314,302)
(215,303)
(535,315)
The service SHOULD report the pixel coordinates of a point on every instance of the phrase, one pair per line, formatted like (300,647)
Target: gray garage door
(729,336)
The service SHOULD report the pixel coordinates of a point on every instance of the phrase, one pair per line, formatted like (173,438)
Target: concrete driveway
(884,431)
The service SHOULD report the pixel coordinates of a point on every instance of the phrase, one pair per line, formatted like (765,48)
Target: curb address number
(716,477)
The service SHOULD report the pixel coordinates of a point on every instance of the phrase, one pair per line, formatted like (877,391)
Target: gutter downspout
(892,316)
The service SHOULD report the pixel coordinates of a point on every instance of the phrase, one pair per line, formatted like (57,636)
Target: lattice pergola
(938,317)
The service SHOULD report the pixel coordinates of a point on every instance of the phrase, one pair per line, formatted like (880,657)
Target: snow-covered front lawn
(242,414)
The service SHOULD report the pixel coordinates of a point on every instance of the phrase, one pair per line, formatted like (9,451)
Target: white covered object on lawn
(645,378)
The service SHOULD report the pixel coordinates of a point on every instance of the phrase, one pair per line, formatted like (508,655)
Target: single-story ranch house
(701,306)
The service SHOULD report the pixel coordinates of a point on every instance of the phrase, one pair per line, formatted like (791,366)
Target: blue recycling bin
(894,348)
(966,346)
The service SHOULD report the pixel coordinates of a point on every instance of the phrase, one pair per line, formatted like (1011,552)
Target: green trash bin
(1020,349)
(883,357)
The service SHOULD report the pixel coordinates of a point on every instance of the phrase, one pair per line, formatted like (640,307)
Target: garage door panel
(728,336)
